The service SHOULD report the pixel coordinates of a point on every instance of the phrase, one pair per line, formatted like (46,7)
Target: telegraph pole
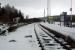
(48,10)
(71,13)
(44,12)
(44,15)
(48,7)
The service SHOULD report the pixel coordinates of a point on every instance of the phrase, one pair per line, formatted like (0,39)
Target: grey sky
(34,8)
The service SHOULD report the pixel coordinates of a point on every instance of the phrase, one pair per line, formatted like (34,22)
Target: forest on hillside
(9,14)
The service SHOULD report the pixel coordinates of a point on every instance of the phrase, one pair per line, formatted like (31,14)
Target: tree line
(8,14)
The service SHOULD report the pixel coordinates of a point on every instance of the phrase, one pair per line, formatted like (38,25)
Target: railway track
(48,41)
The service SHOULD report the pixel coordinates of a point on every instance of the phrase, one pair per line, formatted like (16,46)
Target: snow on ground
(21,41)
(61,29)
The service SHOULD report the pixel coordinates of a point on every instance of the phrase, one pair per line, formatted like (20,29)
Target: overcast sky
(35,8)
